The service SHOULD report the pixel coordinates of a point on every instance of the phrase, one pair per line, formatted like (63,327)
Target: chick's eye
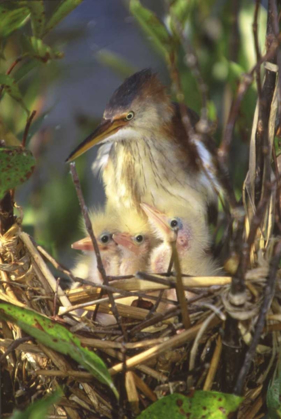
(139,238)
(174,223)
(105,238)
(129,116)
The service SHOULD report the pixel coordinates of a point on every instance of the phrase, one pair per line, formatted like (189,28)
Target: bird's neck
(194,261)
(130,263)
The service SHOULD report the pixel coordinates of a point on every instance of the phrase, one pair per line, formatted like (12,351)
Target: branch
(89,229)
(268,295)
(27,126)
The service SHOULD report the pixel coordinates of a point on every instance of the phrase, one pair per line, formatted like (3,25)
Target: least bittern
(191,236)
(136,241)
(104,225)
(146,153)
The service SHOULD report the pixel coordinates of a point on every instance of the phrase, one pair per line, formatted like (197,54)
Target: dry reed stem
(144,388)
(132,393)
(143,368)
(37,260)
(194,349)
(175,341)
(180,289)
(213,366)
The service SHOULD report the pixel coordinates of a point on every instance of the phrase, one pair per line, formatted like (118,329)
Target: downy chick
(190,234)
(136,241)
(104,225)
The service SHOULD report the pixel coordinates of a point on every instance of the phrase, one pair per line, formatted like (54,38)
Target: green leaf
(26,68)
(37,16)
(61,12)
(8,136)
(39,409)
(273,399)
(153,27)
(58,338)
(200,404)
(212,112)
(180,11)
(16,166)
(12,89)
(36,48)
(11,20)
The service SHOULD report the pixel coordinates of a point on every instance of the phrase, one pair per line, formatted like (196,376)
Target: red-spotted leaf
(37,16)
(200,404)
(16,166)
(58,338)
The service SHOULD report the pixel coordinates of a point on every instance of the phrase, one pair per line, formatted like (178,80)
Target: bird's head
(179,223)
(104,224)
(135,234)
(140,105)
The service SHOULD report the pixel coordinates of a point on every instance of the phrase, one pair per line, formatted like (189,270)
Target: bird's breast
(148,171)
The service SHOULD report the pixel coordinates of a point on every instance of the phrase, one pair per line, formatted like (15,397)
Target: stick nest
(148,352)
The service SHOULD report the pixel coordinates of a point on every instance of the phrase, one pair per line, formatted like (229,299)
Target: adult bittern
(146,153)
(135,241)
(191,236)
(104,225)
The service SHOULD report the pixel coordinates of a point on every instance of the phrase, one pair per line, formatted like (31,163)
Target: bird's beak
(124,239)
(160,221)
(105,129)
(83,244)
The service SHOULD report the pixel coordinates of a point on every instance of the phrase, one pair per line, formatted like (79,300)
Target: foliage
(17,165)
(40,408)
(58,338)
(199,405)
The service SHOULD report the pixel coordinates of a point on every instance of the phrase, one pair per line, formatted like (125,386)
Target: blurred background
(103,43)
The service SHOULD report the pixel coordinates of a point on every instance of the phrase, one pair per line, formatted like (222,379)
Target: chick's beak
(83,244)
(124,239)
(106,128)
(160,221)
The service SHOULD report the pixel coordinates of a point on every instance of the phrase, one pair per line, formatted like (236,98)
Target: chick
(135,241)
(191,236)
(104,225)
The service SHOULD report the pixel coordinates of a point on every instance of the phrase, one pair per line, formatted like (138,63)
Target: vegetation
(223,60)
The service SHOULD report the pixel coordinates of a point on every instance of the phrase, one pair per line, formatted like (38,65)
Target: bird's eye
(174,223)
(105,238)
(129,116)
(139,238)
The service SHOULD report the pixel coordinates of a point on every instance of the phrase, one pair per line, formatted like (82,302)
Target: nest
(147,350)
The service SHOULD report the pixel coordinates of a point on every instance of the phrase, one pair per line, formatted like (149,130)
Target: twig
(56,298)
(180,288)
(195,345)
(238,283)
(174,342)
(275,30)
(27,126)
(155,305)
(89,228)
(213,365)
(56,264)
(244,84)
(14,345)
(10,69)
(268,295)
(257,49)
